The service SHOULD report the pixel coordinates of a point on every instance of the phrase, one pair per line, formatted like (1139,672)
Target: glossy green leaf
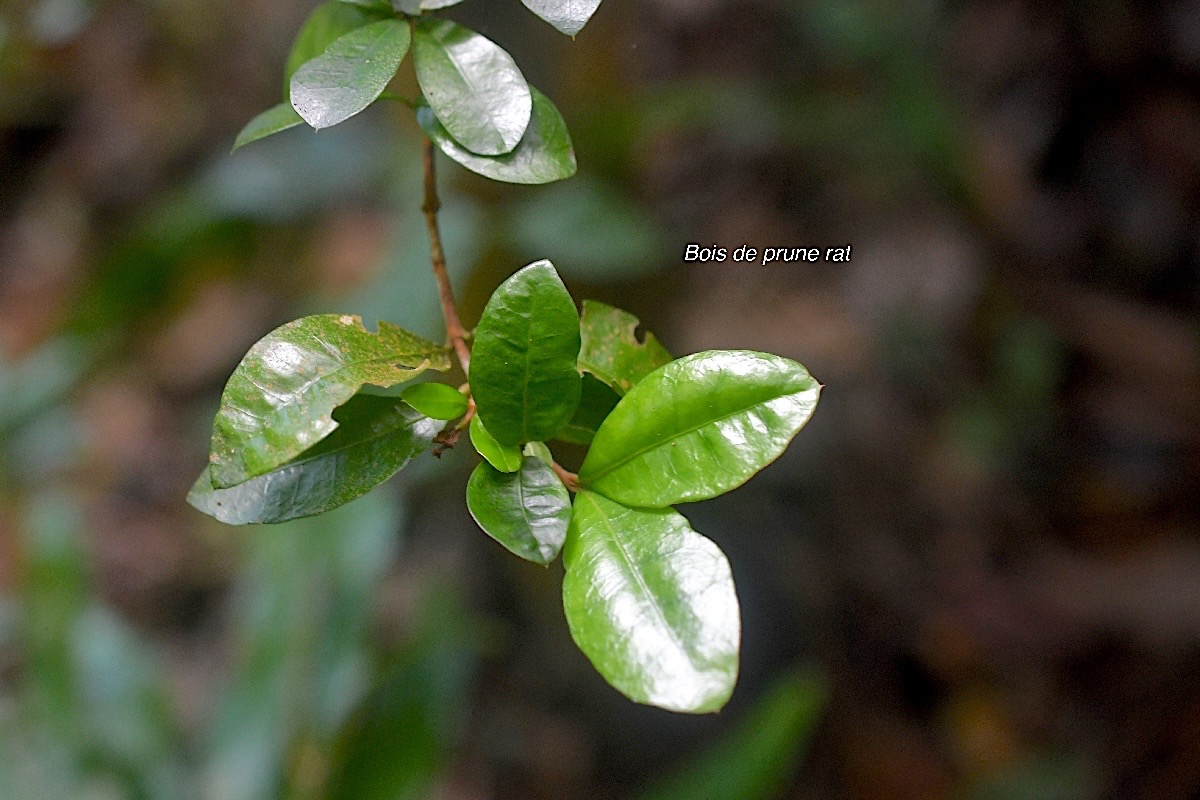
(435,400)
(375,438)
(505,458)
(325,25)
(543,155)
(475,88)
(610,349)
(651,603)
(761,755)
(350,74)
(569,16)
(596,401)
(523,372)
(279,400)
(273,120)
(538,450)
(698,427)
(526,511)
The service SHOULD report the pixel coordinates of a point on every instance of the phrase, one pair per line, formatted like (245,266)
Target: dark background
(975,574)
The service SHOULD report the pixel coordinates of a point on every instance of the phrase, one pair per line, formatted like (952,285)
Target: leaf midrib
(680,434)
(637,577)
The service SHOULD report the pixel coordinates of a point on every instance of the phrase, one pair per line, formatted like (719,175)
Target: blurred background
(975,574)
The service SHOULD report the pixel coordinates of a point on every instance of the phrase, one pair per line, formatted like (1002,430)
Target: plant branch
(569,479)
(430,207)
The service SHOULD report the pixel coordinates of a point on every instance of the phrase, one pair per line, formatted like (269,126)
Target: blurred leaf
(538,450)
(37,381)
(375,438)
(568,16)
(473,86)
(403,735)
(304,604)
(523,372)
(543,155)
(596,401)
(595,233)
(273,120)
(758,758)
(527,511)
(698,427)
(610,349)
(651,603)
(505,458)
(326,24)
(436,400)
(350,74)
(279,400)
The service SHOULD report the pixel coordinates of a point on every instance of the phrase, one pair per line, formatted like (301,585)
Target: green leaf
(505,458)
(376,436)
(596,402)
(538,450)
(523,372)
(526,511)
(273,120)
(569,16)
(350,74)
(698,427)
(610,350)
(326,24)
(758,758)
(279,400)
(475,88)
(651,603)
(435,400)
(543,155)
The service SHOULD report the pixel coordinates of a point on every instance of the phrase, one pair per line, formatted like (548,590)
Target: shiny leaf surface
(651,603)
(350,74)
(569,16)
(279,400)
(543,155)
(325,25)
(698,427)
(526,511)
(475,88)
(610,349)
(596,401)
(376,436)
(436,400)
(505,458)
(523,372)
(273,120)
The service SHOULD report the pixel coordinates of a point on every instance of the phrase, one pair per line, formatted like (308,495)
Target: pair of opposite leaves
(649,601)
(476,105)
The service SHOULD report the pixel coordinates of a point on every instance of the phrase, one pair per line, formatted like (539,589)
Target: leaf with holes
(279,400)
(610,349)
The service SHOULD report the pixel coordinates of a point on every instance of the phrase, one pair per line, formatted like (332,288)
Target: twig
(430,207)
(569,479)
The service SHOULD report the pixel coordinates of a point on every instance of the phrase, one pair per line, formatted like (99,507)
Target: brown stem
(569,479)
(430,207)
